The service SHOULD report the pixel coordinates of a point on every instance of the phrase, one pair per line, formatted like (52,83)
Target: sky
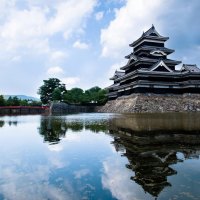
(82,42)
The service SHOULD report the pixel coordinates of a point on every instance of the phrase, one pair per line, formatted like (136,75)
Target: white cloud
(16,58)
(33,27)
(70,81)
(5,6)
(99,15)
(80,45)
(55,71)
(58,55)
(24,29)
(130,20)
(115,1)
(70,16)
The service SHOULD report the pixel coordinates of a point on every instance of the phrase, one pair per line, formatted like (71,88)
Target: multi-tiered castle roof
(148,70)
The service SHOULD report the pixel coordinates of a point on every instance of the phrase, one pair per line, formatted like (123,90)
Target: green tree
(16,101)
(35,103)
(75,95)
(93,95)
(57,94)
(2,101)
(96,95)
(24,102)
(47,89)
(102,96)
(86,97)
(13,101)
(93,92)
(9,101)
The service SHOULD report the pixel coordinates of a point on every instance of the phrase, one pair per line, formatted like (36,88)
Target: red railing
(21,107)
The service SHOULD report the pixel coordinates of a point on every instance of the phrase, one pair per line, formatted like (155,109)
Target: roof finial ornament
(143,33)
(153,26)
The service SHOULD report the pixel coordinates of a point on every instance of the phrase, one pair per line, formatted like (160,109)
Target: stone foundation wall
(139,103)
(63,108)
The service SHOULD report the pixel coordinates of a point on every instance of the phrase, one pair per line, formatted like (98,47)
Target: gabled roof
(150,34)
(117,74)
(132,59)
(112,86)
(131,56)
(157,65)
(190,68)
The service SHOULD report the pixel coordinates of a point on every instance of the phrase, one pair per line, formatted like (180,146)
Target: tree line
(53,90)
(15,101)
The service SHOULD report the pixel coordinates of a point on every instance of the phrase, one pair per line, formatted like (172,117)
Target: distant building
(150,71)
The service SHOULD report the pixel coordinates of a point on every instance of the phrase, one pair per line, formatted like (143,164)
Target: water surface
(100,157)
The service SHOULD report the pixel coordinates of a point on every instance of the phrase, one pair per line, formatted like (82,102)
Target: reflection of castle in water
(152,148)
(150,142)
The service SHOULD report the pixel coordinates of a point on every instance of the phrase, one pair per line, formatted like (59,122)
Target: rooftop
(190,68)
(152,33)
(117,74)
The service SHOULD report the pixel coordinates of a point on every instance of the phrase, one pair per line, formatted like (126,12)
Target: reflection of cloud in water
(116,178)
(28,186)
(81,173)
(55,147)
(71,137)
(58,163)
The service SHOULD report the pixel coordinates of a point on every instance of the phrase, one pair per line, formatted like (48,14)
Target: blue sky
(82,42)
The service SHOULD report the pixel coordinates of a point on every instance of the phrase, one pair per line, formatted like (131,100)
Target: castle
(148,70)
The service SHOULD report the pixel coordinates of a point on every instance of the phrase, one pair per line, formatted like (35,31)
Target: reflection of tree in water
(96,126)
(91,125)
(2,123)
(12,123)
(53,129)
(74,126)
(151,154)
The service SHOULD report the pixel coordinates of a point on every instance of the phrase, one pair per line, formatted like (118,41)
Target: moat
(100,156)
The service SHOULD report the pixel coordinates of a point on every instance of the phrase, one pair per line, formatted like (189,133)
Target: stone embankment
(151,103)
(63,108)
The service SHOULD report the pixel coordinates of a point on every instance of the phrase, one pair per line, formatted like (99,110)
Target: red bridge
(23,110)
